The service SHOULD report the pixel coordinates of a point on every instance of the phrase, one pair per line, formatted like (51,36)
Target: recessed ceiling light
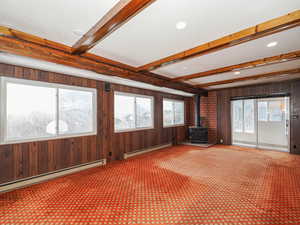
(78,32)
(272,44)
(181,25)
(237,72)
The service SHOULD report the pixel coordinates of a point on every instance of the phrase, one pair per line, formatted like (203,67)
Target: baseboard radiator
(5,187)
(143,151)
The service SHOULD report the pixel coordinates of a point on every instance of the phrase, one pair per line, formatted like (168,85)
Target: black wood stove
(198,134)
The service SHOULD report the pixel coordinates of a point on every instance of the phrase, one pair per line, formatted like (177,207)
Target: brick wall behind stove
(208,110)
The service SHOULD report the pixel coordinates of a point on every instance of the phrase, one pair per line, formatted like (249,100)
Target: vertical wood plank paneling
(42,157)
(19,161)
(295,118)
(33,159)
(17,156)
(7,162)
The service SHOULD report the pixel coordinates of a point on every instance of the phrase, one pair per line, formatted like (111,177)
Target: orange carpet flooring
(177,185)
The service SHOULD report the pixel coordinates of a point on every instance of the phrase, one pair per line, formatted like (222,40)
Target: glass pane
(275,109)
(124,112)
(263,111)
(168,113)
(179,112)
(249,116)
(238,116)
(144,112)
(75,111)
(30,111)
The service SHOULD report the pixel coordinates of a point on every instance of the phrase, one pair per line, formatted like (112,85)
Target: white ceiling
(287,41)
(248,72)
(152,34)
(260,81)
(54,20)
(148,36)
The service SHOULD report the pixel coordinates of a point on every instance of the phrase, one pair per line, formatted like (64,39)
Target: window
(249,116)
(275,109)
(133,112)
(271,111)
(238,112)
(173,111)
(263,111)
(243,116)
(39,111)
(76,111)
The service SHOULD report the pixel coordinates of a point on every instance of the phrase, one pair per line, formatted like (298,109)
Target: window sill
(133,130)
(177,125)
(47,138)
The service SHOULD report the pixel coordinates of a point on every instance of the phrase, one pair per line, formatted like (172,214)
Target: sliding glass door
(244,126)
(273,123)
(261,123)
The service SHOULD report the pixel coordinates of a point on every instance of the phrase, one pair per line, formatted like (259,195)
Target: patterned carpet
(178,185)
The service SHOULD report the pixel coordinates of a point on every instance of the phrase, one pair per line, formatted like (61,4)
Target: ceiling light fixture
(272,44)
(237,72)
(181,25)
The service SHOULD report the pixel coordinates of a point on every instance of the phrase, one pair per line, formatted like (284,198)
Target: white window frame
(173,101)
(3,111)
(135,114)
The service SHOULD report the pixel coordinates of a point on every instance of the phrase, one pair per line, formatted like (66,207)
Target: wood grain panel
(18,161)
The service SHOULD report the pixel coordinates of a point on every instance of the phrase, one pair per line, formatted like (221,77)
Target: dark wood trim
(256,63)
(29,49)
(270,27)
(114,19)
(276,95)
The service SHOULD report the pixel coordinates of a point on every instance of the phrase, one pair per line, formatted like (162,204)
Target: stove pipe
(197,110)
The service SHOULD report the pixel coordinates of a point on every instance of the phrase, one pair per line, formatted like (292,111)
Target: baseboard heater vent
(143,151)
(49,176)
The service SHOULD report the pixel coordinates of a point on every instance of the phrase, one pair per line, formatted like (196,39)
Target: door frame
(284,95)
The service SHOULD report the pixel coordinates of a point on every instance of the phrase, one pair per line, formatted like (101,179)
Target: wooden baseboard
(48,176)
(143,151)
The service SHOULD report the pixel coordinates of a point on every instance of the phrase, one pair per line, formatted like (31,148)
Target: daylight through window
(133,112)
(39,110)
(173,111)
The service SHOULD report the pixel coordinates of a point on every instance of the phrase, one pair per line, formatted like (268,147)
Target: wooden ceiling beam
(261,30)
(9,32)
(16,34)
(255,77)
(114,19)
(260,62)
(37,51)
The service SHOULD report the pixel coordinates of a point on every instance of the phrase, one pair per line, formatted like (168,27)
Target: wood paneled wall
(224,111)
(18,161)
